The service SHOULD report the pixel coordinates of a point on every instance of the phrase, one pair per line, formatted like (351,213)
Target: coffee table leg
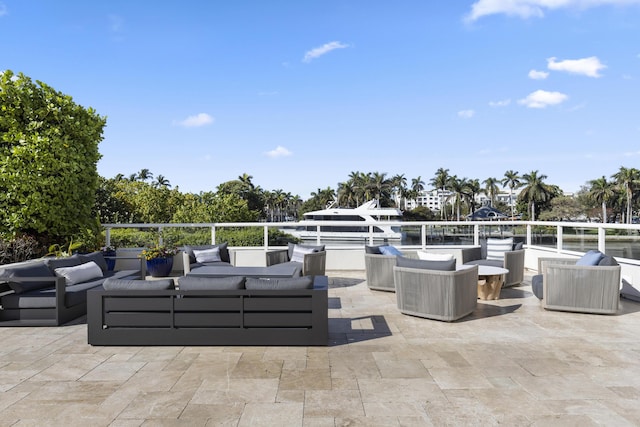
(490,289)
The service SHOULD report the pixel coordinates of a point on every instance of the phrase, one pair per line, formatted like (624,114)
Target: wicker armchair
(586,289)
(434,294)
(379,269)
(513,261)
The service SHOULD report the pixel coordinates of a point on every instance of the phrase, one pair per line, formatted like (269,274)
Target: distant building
(435,198)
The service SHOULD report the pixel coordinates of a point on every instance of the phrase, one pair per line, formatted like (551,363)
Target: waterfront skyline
(300,95)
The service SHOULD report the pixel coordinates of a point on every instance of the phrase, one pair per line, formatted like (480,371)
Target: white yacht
(369,212)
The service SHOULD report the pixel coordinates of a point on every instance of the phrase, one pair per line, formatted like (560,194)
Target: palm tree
(472,188)
(161,181)
(458,187)
(144,175)
(440,181)
(512,180)
(491,188)
(380,186)
(628,179)
(535,190)
(399,187)
(602,192)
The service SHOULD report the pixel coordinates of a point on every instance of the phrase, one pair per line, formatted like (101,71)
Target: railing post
(559,237)
(107,236)
(371,235)
(265,236)
(318,235)
(213,234)
(160,241)
(602,239)
(529,239)
(476,234)
(423,236)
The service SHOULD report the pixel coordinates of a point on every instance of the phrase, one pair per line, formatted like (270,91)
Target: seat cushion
(28,271)
(536,285)
(449,265)
(305,282)
(37,298)
(189,283)
(491,262)
(112,284)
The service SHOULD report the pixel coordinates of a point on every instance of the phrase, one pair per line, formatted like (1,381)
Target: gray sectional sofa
(53,291)
(210,311)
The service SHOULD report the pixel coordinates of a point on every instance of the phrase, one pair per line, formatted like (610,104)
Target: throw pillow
(430,256)
(207,255)
(32,270)
(188,283)
(372,250)
(608,261)
(290,247)
(305,282)
(426,265)
(224,251)
(79,273)
(497,247)
(299,252)
(390,250)
(592,257)
(137,285)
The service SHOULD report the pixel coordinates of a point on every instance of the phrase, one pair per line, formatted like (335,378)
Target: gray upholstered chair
(565,286)
(312,259)
(513,261)
(379,268)
(434,294)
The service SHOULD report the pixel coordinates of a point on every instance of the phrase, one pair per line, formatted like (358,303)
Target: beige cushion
(207,255)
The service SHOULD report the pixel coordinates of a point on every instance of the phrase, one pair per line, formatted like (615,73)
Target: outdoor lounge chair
(512,259)
(565,286)
(312,259)
(436,294)
(379,268)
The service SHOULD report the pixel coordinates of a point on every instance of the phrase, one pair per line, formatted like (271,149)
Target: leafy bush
(20,249)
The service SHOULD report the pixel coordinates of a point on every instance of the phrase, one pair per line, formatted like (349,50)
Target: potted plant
(109,253)
(159,260)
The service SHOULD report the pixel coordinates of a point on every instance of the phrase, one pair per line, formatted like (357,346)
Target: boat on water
(368,213)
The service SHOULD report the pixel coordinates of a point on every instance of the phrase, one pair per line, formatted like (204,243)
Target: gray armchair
(379,268)
(313,263)
(565,286)
(513,261)
(434,294)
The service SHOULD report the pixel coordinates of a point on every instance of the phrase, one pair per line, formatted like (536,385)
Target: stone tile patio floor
(509,363)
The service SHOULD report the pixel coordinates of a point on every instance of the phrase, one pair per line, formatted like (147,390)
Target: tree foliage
(48,158)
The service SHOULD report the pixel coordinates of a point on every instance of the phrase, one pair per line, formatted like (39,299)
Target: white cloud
(586,66)
(538,75)
(501,103)
(279,151)
(198,120)
(324,49)
(466,114)
(534,8)
(542,99)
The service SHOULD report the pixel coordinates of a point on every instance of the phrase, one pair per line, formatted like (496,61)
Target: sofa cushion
(608,261)
(36,298)
(189,283)
(97,257)
(390,250)
(290,246)
(71,261)
(299,252)
(77,294)
(207,255)
(79,273)
(137,285)
(592,257)
(27,271)
(224,251)
(497,247)
(305,282)
(426,265)
(375,250)
(430,256)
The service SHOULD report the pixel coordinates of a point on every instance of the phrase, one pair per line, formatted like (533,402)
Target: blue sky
(299,94)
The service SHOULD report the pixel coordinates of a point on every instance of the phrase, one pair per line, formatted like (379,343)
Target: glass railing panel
(623,243)
(579,239)
(543,235)
(456,234)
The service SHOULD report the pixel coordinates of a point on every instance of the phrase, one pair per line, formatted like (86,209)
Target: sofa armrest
(277,256)
(514,262)
(186,263)
(314,264)
(471,254)
(544,261)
